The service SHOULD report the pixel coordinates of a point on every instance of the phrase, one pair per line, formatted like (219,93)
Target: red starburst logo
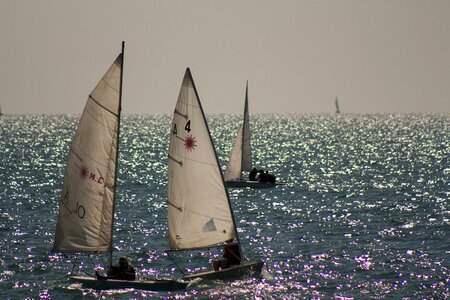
(84,172)
(190,143)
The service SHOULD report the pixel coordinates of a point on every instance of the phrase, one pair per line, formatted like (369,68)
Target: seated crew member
(231,257)
(252,174)
(124,271)
(264,177)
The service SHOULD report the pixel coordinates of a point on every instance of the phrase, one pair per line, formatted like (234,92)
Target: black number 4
(188,126)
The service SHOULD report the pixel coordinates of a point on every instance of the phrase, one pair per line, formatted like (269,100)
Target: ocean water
(365,213)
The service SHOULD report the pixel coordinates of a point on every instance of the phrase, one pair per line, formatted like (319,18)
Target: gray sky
(376,56)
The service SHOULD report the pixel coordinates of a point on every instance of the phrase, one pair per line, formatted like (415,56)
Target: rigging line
(176,265)
(73,263)
(90,258)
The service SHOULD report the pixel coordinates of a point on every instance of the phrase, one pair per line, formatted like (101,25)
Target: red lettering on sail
(86,174)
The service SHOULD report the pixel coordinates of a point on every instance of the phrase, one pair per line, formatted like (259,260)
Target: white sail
(87,204)
(234,166)
(199,212)
(241,153)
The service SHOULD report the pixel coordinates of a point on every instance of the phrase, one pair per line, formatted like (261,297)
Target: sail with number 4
(86,211)
(241,154)
(199,210)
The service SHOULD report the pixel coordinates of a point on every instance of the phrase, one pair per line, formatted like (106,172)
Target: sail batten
(199,213)
(86,212)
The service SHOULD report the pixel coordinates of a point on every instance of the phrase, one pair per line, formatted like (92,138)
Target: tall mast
(117,148)
(220,170)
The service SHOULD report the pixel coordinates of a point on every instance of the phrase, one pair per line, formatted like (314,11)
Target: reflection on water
(365,213)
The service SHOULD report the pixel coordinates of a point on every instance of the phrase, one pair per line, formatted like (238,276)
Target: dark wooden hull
(149,285)
(252,184)
(252,268)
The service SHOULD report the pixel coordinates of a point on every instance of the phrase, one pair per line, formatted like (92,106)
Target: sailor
(231,257)
(259,173)
(124,271)
(271,178)
(252,174)
(264,177)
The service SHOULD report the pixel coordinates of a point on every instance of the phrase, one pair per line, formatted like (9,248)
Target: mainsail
(241,154)
(86,211)
(199,211)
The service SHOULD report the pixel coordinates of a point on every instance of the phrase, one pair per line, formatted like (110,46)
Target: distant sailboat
(86,212)
(337,106)
(199,208)
(241,156)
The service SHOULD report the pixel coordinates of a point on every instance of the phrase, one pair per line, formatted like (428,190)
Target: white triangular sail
(241,153)
(199,212)
(87,204)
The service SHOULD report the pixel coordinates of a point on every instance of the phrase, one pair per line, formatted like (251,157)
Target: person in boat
(271,178)
(267,177)
(252,174)
(231,257)
(264,177)
(259,173)
(124,271)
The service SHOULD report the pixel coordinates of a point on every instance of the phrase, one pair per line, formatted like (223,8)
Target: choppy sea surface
(365,213)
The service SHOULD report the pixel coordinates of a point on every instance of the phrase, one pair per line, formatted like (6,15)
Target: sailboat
(199,209)
(86,211)
(337,106)
(241,156)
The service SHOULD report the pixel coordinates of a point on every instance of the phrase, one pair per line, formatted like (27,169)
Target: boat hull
(149,285)
(252,184)
(248,268)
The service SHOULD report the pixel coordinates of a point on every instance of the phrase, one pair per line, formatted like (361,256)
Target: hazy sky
(376,56)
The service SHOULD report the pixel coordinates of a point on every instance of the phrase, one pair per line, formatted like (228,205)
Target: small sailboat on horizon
(336,103)
(86,213)
(240,159)
(199,209)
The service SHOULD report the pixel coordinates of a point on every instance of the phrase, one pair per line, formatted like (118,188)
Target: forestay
(87,204)
(199,212)
(241,154)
